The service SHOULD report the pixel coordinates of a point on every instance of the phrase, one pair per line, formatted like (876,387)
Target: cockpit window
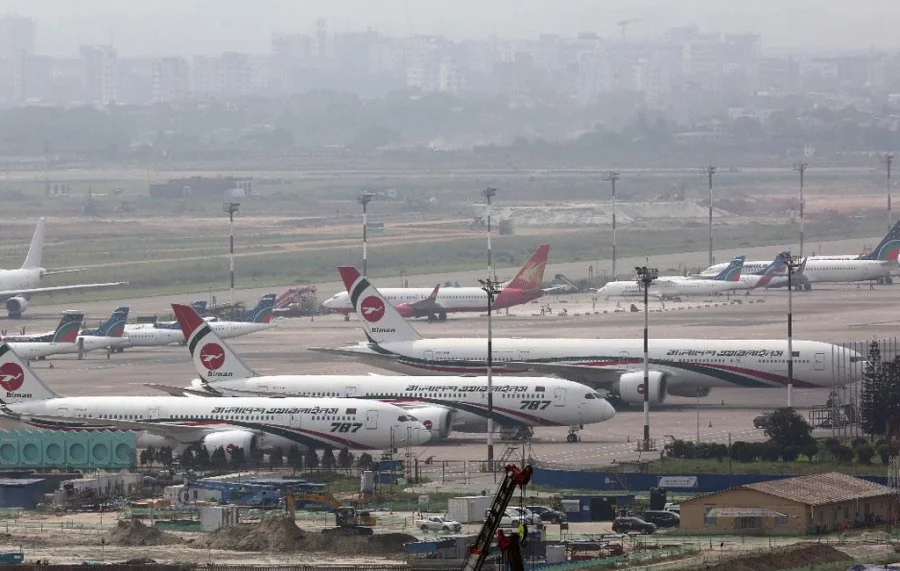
(403,418)
(412,418)
(590,396)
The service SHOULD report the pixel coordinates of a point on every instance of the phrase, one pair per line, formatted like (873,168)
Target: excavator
(510,545)
(348,518)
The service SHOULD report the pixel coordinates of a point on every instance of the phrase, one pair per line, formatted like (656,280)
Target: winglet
(213,358)
(434,294)
(33,259)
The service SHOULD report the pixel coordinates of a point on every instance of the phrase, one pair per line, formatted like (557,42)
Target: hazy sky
(158,27)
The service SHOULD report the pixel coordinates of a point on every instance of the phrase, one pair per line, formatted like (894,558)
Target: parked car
(438,523)
(524,514)
(632,525)
(763,420)
(673,507)
(512,516)
(548,515)
(662,518)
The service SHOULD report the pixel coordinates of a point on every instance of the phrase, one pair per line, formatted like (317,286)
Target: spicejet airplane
(250,423)
(436,303)
(441,403)
(681,367)
(876,265)
(17,286)
(168,333)
(668,287)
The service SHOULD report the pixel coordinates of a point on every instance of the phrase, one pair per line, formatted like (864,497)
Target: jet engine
(231,439)
(15,306)
(436,419)
(688,391)
(630,387)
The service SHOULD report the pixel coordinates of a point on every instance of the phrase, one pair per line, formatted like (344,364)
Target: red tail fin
(531,275)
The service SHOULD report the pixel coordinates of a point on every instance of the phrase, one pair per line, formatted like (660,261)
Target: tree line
(200,458)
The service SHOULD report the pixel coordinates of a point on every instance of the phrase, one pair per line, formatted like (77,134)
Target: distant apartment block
(100,74)
(169,79)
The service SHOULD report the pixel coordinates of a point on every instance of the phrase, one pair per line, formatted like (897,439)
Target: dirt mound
(279,534)
(798,555)
(134,532)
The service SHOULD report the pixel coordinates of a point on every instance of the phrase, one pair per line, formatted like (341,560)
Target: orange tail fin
(531,275)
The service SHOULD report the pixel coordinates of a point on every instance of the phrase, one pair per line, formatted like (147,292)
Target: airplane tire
(442,316)
(888,280)
(807,287)
(571,438)
(15,316)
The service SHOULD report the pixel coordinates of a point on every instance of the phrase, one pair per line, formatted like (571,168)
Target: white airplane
(680,367)
(169,333)
(18,286)
(251,423)
(669,287)
(62,340)
(441,403)
(875,266)
(436,303)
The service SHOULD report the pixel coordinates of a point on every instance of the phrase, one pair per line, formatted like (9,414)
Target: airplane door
(62,412)
(351,392)
(559,397)
(429,355)
(154,413)
(819,363)
(523,355)
(371,419)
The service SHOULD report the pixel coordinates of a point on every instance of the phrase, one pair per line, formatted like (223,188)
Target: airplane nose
(602,410)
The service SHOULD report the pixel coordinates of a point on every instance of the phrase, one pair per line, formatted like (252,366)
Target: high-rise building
(101,74)
(16,36)
(169,79)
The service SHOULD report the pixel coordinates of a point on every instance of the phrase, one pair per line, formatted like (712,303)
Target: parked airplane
(168,333)
(875,266)
(436,303)
(63,340)
(668,287)
(681,367)
(18,286)
(108,335)
(250,423)
(441,403)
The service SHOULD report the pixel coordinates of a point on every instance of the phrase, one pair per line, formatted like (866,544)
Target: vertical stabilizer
(68,328)
(33,259)
(732,273)
(114,326)
(531,275)
(213,358)
(380,320)
(18,383)
(262,313)
(888,248)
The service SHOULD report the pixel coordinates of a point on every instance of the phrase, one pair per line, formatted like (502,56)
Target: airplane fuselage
(666,287)
(450,300)
(146,335)
(826,269)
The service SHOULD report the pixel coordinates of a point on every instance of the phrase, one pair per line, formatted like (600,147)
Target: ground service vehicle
(347,518)
(547,515)
(632,525)
(763,420)
(438,523)
(662,518)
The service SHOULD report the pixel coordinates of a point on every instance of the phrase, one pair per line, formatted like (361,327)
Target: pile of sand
(133,532)
(278,533)
(797,555)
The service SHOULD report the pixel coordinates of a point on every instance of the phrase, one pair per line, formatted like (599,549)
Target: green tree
(276,457)
(187,458)
(163,455)
(237,456)
(328,459)
(295,457)
(873,419)
(787,428)
(345,459)
(202,459)
(312,459)
(864,453)
(365,461)
(842,454)
(151,455)
(218,459)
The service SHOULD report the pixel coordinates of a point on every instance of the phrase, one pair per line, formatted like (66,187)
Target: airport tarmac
(833,313)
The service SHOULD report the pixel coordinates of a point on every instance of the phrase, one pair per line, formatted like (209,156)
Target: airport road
(834,313)
(45,306)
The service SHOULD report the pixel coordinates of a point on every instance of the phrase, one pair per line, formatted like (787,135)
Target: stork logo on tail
(212,356)
(372,309)
(11,377)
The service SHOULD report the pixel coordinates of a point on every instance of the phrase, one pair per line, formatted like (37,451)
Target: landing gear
(888,280)
(346,317)
(807,287)
(442,316)
(572,436)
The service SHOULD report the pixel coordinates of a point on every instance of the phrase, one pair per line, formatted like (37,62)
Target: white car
(438,523)
(512,517)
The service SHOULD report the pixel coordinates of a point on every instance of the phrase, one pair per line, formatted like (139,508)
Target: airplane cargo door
(154,413)
(559,397)
(819,363)
(62,412)
(351,392)
(371,419)
(429,355)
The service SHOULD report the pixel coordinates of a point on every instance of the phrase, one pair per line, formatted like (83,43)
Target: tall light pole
(801,168)
(793,263)
(888,159)
(231,208)
(645,277)
(709,172)
(365,198)
(489,193)
(491,288)
(612,177)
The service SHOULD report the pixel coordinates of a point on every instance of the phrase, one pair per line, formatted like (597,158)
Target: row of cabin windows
(730,360)
(206,417)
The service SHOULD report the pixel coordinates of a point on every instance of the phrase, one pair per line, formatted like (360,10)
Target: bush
(743,452)
(864,453)
(883,452)
(831,443)
(681,449)
(857,442)
(790,453)
(810,449)
(842,454)
(769,451)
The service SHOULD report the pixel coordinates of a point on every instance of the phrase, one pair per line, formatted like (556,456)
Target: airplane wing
(182,434)
(181,391)
(59,289)
(429,303)
(602,378)
(354,353)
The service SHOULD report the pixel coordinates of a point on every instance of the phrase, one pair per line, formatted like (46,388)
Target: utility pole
(793,263)
(709,172)
(489,193)
(801,168)
(645,277)
(365,198)
(888,159)
(231,208)
(491,288)
(612,177)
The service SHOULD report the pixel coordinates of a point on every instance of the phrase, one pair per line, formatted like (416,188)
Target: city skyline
(165,27)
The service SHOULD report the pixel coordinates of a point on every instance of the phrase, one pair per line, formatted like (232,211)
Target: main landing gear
(432,317)
(573,434)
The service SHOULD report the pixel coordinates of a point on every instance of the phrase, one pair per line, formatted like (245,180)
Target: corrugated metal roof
(820,489)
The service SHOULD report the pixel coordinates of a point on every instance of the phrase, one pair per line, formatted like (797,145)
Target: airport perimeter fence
(205,567)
